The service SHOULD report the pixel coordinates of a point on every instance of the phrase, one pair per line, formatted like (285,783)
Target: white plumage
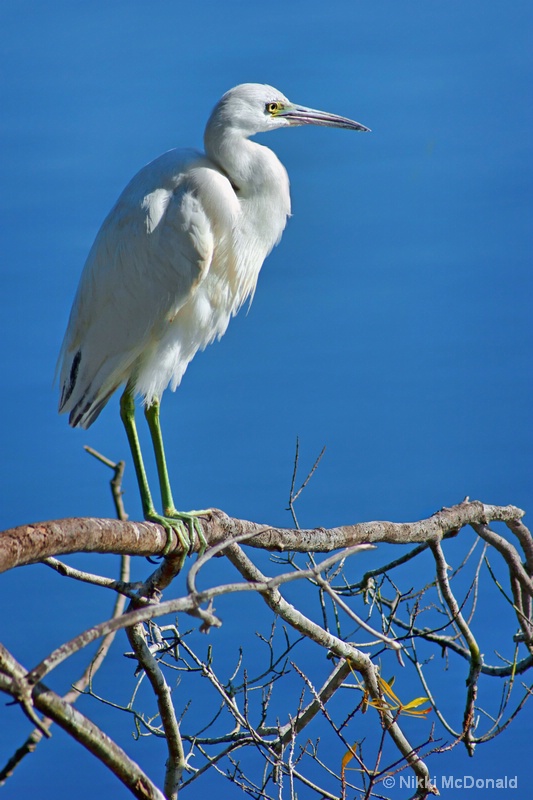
(177,257)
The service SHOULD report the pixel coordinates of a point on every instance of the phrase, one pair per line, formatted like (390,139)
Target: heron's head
(255,107)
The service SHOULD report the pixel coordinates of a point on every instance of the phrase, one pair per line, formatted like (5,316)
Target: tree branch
(359,661)
(83,731)
(29,544)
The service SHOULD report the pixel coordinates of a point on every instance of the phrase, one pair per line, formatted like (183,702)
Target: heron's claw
(186,526)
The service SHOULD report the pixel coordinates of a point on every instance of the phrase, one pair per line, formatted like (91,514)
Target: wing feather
(154,247)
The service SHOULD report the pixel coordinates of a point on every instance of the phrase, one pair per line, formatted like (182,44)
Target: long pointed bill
(300,115)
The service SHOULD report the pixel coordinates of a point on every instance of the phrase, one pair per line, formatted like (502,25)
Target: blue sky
(391,325)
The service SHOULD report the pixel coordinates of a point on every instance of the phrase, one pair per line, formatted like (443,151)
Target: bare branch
(476,658)
(86,733)
(242,713)
(176,757)
(358,660)
(31,543)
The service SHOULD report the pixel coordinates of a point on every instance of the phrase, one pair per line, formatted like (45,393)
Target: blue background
(392,324)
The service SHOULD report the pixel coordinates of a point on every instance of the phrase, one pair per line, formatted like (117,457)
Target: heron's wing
(154,247)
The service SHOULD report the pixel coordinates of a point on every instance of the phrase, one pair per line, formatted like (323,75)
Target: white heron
(174,260)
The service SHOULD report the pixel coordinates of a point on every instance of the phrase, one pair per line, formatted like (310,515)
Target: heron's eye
(273,108)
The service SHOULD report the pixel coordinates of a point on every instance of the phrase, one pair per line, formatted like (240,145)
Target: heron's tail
(83,396)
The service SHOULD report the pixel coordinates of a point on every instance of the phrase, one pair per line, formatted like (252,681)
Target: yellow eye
(272,108)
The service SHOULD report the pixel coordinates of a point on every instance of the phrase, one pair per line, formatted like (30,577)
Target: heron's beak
(300,115)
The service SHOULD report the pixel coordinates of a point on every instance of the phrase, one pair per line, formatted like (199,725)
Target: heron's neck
(253,170)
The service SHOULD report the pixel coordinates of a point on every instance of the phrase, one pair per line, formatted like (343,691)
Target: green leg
(127,413)
(189,519)
(151,413)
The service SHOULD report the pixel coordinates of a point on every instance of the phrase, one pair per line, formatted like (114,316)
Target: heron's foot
(186,526)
